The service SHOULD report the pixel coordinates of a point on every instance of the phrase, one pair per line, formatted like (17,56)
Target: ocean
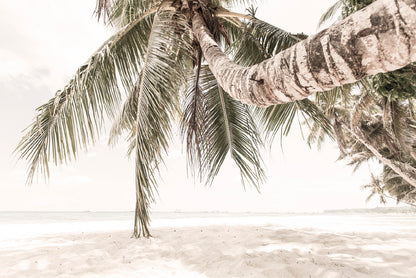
(14,225)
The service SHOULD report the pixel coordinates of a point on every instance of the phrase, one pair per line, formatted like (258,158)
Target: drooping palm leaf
(229,128)
(397,187)
(279,118)
(192,122)
(330,13)
(276,118)
(332,99)
(72,119)
(151,106)
(335,105)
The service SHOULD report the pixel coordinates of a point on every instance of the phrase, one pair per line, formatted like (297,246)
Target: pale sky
(42,44)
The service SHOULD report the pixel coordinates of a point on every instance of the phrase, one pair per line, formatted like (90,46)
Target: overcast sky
(42,44)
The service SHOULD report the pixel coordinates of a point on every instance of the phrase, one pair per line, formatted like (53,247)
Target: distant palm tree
(167,52)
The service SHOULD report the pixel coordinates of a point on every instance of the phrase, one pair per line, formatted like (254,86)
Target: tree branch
(378,38)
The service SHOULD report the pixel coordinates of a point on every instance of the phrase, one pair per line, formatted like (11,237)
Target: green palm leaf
(229,128)
(396,186)
(122,12)
(73,118)
(345,7)
(192,122)
(157,102)
(280,118)
(331,12)
(258,40)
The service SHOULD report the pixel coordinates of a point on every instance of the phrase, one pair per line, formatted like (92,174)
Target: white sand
(229,249)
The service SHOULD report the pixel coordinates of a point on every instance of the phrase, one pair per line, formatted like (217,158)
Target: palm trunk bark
(378,38)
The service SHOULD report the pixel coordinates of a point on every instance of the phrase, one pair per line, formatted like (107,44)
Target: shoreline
(222,247)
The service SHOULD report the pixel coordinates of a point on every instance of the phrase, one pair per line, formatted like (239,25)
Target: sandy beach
(234,247)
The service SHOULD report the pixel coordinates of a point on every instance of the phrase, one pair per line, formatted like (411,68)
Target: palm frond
(229,128)
(334,99)
(102,9)
(316,115)
(363,104)
(260,40)
(272,38)
(72,119)
(331,12)
(316,136)
(234,3)
(359,158)
(396,186)
(376,189)
(192,123)
(157,102)
(125,121)
(340,138)
(280,118)
(276,118)
(124,12)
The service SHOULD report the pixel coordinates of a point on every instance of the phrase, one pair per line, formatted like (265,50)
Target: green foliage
(123,12)
(279,118)
(259,40)
(398,85)
(215,125)
(395,186)
(344,8)
(156,99)
(229,128)
(72,119)
(154,59)
(386,124)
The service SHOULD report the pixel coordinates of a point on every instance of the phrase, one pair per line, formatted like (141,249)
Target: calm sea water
(33,224)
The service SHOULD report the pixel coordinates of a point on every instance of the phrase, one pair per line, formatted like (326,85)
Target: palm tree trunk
(378,38)
(136,233)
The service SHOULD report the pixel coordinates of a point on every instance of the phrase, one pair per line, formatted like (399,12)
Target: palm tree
(168,52)
(156,67)
(390,186)
(379,123)
(363,136)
